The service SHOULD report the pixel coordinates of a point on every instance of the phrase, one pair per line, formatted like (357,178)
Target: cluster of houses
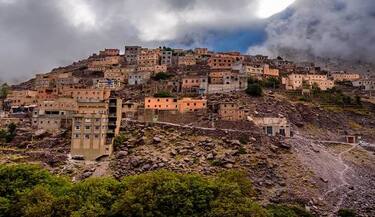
(84,96)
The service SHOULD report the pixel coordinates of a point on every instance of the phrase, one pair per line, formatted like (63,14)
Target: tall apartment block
(94,128)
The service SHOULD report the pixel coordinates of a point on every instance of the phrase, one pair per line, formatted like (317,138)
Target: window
(282,132)
(269,130)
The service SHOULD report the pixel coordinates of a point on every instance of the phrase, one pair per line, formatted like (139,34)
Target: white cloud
(79,13)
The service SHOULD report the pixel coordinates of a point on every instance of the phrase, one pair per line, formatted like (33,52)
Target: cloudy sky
(37,35)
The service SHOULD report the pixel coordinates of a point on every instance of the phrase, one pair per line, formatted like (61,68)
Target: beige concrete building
(194,84)
(94,128)
(187,60)
(109,52)
(105,61)
(86,94)
(54,115)
(22,97)
(131,54)
(273,126)
(297,81)
(343,76)
(231,112)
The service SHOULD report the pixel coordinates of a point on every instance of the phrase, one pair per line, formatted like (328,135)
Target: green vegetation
(161,76)
(287,211)
(163,94)
(332,97)
(347,213)
(28,190)
(119,140)
(254,90)
(8,134)
(270,82)
(4,91)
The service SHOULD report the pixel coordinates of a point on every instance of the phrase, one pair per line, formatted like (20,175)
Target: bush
(287,211)
(4,91)
(346,213)
(9,134)
(163,94)
(272,82)
(254,90)
(161,76)
(31,191)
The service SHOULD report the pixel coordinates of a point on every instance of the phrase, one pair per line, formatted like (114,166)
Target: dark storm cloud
(37,35)
(329,28)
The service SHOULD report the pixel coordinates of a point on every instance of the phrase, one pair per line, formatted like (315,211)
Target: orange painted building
(172,104)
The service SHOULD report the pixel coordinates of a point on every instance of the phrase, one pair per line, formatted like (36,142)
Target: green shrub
(287,211)
(163,94)
(346,213)
(254,90)
(32,192)
(161,76)
(272,82)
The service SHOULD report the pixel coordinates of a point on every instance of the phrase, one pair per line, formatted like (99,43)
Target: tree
(4,91)
(358,100)
(272,82)
(11,132)
(34,203)
(254,90)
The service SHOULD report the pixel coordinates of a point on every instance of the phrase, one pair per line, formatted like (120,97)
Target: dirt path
(344,183)
(331,168)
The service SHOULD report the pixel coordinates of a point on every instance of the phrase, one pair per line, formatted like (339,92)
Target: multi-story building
(131,54)
(231,112)
(226,81)
(194,84)
(129,109)
(148,57)
(366,84)
(86,94)
(105,61)
(269,72)
(166,57)
(191,105)
(54,115)
(121,74)
(105,83)
(343,76)
(171,104)
(297,81)
(260,70)
(42,81)
(139,78)
(109,52)
(22,98)
(47,94)
(201,51)
(253,70)
(273,126)
(152,69)
(94,128)
(221,62)
(187,60)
